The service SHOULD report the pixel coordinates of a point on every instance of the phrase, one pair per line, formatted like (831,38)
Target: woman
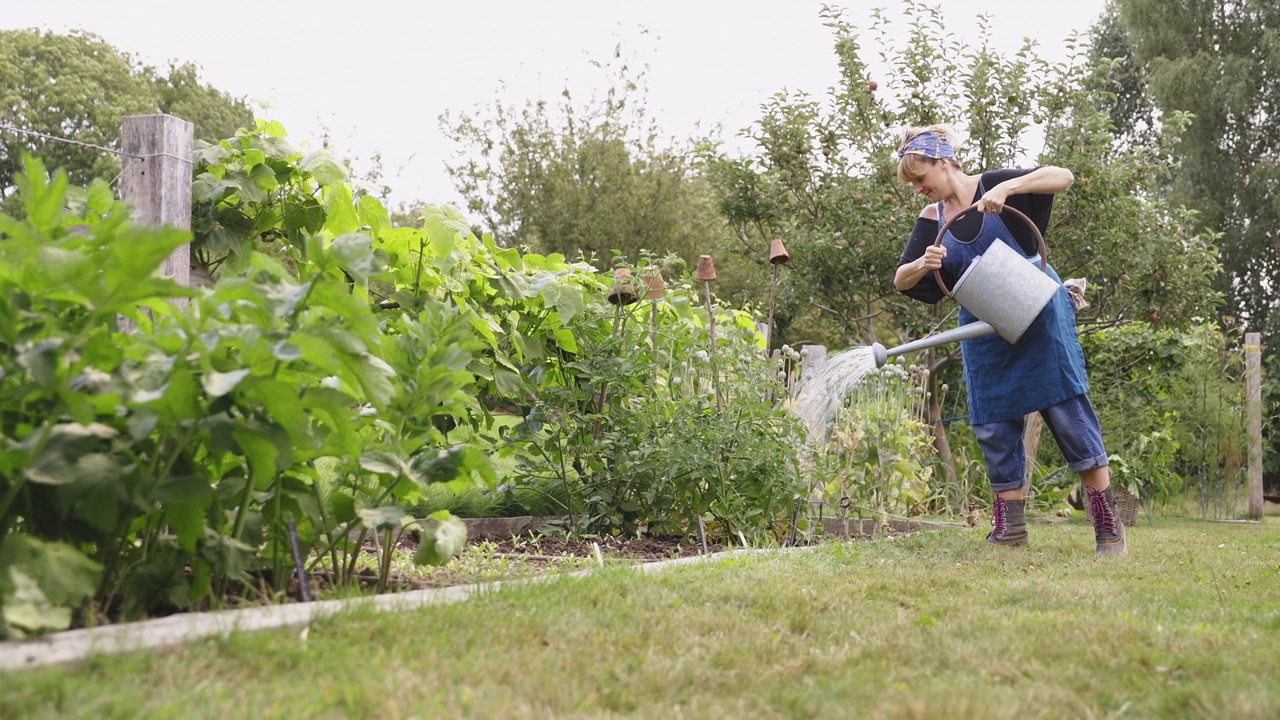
(1044,371)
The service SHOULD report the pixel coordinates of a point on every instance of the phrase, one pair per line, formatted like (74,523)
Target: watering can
(1001,288)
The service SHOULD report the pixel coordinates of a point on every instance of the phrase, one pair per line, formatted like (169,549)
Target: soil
(529,555)
(647,549)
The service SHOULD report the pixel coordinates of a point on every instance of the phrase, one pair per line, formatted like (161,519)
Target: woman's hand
(932,258)
(992,201)
(1048,179)
(908,276)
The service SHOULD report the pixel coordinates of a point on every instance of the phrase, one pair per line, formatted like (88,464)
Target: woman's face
(932,182)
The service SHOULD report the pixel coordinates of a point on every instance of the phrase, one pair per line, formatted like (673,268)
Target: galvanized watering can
(1001,288)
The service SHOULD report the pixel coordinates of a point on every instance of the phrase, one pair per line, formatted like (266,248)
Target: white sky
(379,73)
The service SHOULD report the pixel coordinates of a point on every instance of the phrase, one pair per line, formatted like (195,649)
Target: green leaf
(566,299)
(435,465)
(373,214)
(323,167)
(41,360)
(304,215)
(66,445)
(41,581)
(217,384)
(261,452)
(182,489)
(385,463)
(441,540)
(186,521)
(28,611)
(343,505)
(354,253)
(565,339)
(383,518)
(341,212)
(442,232)
(285,351)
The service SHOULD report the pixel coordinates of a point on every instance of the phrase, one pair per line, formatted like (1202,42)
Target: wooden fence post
(1253,403)
(157,181)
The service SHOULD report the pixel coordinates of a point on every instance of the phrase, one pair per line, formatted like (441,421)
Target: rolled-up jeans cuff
(1092,463)
(1012,485)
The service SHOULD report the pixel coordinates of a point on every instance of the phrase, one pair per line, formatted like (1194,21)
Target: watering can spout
(964,332)
(880,354)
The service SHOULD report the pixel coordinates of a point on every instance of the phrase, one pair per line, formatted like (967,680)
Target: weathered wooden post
(157,181)
(778,255)
(1253,412)
(707,274)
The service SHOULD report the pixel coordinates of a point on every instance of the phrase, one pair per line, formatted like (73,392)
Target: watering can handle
(1044,254)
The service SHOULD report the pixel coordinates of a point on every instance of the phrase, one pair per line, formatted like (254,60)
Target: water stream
(824,389)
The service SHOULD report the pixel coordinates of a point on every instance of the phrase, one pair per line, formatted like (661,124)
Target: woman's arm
(1044,180)
(909,275)
(914,276)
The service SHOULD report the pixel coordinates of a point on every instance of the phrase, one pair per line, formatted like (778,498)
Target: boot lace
(999,518)
(1104,521)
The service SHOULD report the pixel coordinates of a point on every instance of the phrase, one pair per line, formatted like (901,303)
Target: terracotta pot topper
(706,269)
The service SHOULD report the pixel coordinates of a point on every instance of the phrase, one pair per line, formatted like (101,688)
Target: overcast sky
(378,73)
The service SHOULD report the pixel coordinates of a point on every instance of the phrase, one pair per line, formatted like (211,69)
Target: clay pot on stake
(707,274)
(777,256)
(653,293)
(621,292)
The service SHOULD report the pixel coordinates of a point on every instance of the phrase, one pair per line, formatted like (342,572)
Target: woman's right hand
(932,258)
(909,275)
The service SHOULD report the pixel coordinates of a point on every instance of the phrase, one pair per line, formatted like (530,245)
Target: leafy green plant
(1168,400)
(75,471)
(880,456)
(174,459)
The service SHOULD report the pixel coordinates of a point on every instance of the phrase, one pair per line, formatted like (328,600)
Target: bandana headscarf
(928,144)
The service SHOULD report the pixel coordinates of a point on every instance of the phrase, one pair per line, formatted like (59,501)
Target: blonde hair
(913,166)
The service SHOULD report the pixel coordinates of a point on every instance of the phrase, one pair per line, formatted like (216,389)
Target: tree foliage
(583,178)
(823,179)
(80,87)
(1217,61)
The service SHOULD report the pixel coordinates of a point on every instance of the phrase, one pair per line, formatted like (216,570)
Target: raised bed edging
(72,645)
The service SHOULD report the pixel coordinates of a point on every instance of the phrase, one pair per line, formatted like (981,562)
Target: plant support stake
(303,589)
(707,273)
(777,256)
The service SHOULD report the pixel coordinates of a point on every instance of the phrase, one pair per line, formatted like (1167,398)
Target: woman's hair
(922,148)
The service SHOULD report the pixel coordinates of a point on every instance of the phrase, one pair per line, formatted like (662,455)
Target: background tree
(823,178)
(79,86)
(1216,61)
(586,178)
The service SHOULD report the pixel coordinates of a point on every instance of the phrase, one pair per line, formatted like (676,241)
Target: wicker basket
(1127,506)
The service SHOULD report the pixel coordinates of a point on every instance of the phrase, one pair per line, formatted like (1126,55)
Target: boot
(1009,519)
(1107,528)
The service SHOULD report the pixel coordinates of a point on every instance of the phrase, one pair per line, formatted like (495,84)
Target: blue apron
(1045,367)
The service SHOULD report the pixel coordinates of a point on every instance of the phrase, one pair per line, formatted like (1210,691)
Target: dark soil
(530,555)
(646,549)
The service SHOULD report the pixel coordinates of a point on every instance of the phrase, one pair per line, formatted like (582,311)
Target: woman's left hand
(992,201)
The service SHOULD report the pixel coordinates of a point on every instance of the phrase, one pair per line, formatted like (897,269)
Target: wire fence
(129,158)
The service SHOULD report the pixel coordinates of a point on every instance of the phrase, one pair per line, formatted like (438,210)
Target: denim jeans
(1075,427)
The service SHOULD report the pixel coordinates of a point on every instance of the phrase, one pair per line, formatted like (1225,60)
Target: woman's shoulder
(929,212)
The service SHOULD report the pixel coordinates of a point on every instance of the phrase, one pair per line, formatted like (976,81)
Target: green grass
(935,625)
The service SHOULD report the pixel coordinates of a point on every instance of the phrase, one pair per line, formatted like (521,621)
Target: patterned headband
(928,144)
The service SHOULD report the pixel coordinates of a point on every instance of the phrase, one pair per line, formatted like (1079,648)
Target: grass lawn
(934,625)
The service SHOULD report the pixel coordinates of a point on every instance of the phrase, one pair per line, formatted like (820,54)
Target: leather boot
(1107,528)
(1009,519)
